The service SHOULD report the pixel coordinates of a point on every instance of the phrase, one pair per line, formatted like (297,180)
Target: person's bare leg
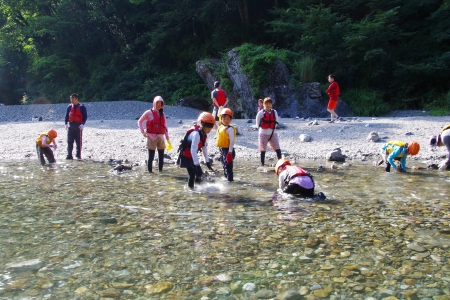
(333,114)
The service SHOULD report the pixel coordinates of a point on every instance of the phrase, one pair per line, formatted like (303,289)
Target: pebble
(249,286)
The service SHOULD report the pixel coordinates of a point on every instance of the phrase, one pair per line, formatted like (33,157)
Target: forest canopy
(385,54)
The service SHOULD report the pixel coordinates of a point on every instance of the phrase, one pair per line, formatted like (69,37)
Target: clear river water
(77,230)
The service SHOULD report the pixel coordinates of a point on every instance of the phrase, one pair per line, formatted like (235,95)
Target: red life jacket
(294,171)
(157,124)
(268,120)
(221,97)
(75,114)
(187,142)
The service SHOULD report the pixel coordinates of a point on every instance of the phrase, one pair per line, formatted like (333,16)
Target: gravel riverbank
(111,132)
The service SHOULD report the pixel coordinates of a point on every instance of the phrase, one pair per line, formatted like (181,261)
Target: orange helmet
(227,111)
(206,117)
(52,133)
(413,148)
(282,162)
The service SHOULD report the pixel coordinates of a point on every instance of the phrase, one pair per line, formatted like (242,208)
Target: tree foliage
(134,49)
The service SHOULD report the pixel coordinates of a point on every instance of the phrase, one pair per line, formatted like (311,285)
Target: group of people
(153,126)
(74,120)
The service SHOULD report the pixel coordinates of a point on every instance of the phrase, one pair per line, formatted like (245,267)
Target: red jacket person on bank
(76,116)
(333,92)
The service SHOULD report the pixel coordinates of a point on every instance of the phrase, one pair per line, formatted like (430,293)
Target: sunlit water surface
(78,231)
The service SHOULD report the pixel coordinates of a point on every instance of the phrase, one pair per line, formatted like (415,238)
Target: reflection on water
(76,230)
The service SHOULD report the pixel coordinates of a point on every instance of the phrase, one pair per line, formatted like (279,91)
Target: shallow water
(78,231)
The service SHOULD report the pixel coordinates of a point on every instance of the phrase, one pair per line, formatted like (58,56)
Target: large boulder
(304,101)
(205,69)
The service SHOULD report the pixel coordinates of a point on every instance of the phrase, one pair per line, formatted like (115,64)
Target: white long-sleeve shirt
(195,139)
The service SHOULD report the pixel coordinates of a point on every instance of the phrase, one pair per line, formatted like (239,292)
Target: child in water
(442,139)
(194,141)
(398,150)
(295,180)
(267,120)
(226,137)
(44,143)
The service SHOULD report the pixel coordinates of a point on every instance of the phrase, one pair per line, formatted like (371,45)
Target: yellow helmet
(282,162)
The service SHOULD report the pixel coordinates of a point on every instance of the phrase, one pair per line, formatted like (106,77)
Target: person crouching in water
(194,141)
(295,180)
(155,132)
(44,143)
(267,120)
(226,137)
(398,150)
(443,139)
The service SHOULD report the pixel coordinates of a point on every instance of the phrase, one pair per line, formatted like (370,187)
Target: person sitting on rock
(398,150)
(194,141)
(295,180)
(442,139)
(44,143)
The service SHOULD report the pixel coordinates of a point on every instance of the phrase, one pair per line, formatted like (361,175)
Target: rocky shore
(111,132)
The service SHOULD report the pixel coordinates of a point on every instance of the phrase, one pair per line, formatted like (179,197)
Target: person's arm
(66,118)
(395,152)
(230,132)
(226,100)
(403,162)
(44,142)
(141,120)
(84,113)
(332,89)
(258,118)
(215,103)
(205,153)
(277,119)
(166,133)
(195,139)
(281,180)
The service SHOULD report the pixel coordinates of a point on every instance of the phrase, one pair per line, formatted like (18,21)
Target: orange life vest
(157,124)
(268,120)
(75,114)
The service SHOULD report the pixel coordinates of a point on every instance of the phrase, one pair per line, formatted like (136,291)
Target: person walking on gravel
(333,92)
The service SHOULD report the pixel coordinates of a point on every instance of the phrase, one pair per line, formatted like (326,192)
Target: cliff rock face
(306,101)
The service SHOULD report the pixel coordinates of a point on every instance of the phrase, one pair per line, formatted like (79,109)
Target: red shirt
(333,91)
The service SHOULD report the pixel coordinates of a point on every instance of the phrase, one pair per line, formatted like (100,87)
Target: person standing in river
(44,142)
(333,92)
(226,137)
(267,120)
(156,132)
(442,139)
(398,150)
(193,142)
(75,119)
